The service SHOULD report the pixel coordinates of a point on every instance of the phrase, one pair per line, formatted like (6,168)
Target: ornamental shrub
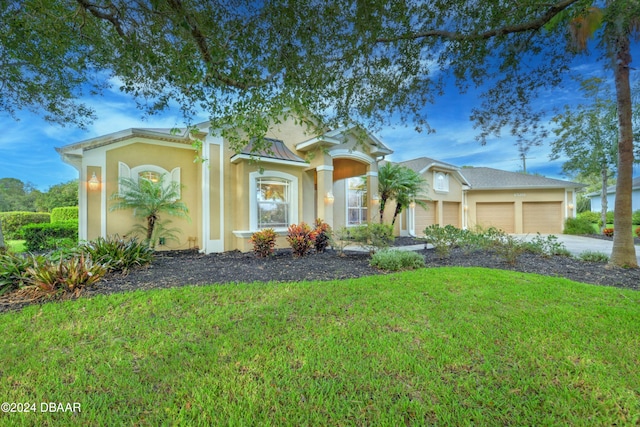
(44,237)
(637,232)
(610,217)
(592,217)
(263,242)
(12,222)
(69,213)
(592,256)
(300,238)
(395,260)
(635,217)
(578,226)
(608,232)
(443,239)
(321,235)
(372,236)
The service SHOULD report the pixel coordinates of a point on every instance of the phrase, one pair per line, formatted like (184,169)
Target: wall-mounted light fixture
(375,199)
(570,206)
(94,183)
(465,207)
(412,205)
(329,199)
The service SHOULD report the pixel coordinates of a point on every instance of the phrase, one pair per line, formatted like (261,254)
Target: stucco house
(596,197)
(305,175)
(480,196)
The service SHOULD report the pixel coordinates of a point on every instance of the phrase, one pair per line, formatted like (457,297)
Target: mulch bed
(180,268)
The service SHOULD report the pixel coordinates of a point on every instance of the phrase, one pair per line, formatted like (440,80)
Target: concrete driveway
(578,244)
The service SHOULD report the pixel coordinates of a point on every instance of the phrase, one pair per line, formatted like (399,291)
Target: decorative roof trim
(236,158)
(319,141)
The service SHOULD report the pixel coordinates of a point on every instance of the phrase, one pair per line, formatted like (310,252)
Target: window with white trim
(441,182)
(152,173)
(356,200)
(273,202)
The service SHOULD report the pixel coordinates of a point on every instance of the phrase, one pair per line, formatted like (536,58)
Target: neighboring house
(596,197)
(304,176)
(479,196)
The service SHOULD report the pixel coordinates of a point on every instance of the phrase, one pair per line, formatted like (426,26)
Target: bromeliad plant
(13,271)
(67,276)
(118,254)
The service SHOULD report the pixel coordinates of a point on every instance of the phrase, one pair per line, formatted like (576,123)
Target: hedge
(69,213)
(45,237)
(12,222)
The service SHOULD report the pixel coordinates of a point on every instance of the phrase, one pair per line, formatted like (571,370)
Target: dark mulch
(180,268)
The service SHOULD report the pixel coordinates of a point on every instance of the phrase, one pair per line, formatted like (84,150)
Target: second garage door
(498,215)
(425,217)
(542,217)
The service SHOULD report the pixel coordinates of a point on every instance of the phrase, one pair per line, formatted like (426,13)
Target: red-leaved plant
(263,242)
(637,232)
(321,235)
(300,238)
(608,232)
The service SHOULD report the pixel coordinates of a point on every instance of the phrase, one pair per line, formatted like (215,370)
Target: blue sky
(27,146)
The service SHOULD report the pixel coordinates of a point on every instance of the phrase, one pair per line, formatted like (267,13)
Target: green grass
(16,246)
(446,346)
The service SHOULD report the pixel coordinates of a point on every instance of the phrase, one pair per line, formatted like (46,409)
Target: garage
(425,217)
(451,214)
(542,217)
(500,215)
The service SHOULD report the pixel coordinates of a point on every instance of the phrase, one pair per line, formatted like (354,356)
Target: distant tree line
(16,195)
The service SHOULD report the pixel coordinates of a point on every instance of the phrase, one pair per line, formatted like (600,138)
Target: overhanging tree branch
(532,25)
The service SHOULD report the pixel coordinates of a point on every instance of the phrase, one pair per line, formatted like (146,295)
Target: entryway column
(324,193)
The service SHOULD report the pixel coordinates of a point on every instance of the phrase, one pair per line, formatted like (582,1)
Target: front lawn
(446,346)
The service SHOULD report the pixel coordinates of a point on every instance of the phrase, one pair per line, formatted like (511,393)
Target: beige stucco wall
(518,197)
(167,156)
(94,205)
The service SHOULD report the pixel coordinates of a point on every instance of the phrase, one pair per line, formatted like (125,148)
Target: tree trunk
(624,252)
(2,246)
(383,203)
(399,208)
(603,198)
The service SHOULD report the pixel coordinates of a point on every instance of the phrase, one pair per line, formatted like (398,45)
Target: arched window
(441,182)
(151,172)
(274,200)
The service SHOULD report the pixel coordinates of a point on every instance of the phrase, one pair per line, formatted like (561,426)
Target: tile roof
(482,178)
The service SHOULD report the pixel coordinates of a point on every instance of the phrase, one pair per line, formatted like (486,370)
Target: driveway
(578,244)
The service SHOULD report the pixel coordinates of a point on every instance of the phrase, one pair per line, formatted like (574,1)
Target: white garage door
(542,217)
(498,215)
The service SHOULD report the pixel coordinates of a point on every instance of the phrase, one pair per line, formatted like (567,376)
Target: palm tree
(388,177)
(618,20)
(148,199)
(401,184)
